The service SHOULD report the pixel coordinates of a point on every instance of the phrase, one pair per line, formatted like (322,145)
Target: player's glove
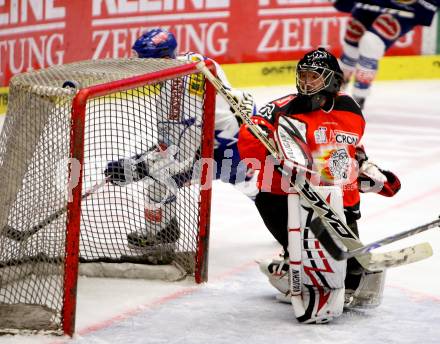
(246,104)
(125,171)
(374,179)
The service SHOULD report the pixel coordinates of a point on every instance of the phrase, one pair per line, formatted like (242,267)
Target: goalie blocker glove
(128,170)
(374,179)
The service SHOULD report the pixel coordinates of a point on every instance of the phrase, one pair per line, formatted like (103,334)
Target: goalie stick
(322,232)
(21,235)
(302,186)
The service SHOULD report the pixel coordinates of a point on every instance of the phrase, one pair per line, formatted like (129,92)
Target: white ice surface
(237,305)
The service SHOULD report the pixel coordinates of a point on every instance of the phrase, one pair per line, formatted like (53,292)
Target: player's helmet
(318,72)
(156,43)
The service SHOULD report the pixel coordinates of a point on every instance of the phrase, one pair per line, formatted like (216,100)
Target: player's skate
(364,290)
(277,270)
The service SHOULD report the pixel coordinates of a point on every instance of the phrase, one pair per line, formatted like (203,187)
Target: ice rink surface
(238,305)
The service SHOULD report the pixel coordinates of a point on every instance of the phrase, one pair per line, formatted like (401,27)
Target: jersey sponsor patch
(333,164)
(343,137)
(387,27)
(320,135)
(338,163)
(196,82)
(195,57)
(354,31)
(336,136)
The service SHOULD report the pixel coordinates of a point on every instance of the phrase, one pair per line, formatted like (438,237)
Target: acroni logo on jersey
(343,137)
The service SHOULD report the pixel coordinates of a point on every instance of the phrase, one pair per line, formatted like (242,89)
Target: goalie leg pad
(322,277)
(319,267)
(323,287)
(321,304)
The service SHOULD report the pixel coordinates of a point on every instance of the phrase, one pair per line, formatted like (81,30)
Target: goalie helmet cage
(47,228)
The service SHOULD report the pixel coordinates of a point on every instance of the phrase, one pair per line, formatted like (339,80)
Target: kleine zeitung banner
(39,33)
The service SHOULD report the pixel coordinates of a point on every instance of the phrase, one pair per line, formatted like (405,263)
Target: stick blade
(403,256)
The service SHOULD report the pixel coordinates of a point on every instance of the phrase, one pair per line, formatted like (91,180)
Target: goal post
(59,209)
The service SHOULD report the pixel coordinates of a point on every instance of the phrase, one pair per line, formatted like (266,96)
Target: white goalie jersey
(181,126)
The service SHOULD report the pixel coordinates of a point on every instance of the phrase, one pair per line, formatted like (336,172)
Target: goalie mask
(156,43)
(318,76)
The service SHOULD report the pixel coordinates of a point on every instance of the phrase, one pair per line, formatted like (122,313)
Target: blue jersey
(420,11)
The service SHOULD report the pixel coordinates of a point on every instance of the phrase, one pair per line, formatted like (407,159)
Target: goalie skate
(366,292)
(277,271)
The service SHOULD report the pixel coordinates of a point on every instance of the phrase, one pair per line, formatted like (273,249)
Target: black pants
(273,211)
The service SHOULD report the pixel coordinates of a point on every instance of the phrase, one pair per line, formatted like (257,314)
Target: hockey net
(54,214)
